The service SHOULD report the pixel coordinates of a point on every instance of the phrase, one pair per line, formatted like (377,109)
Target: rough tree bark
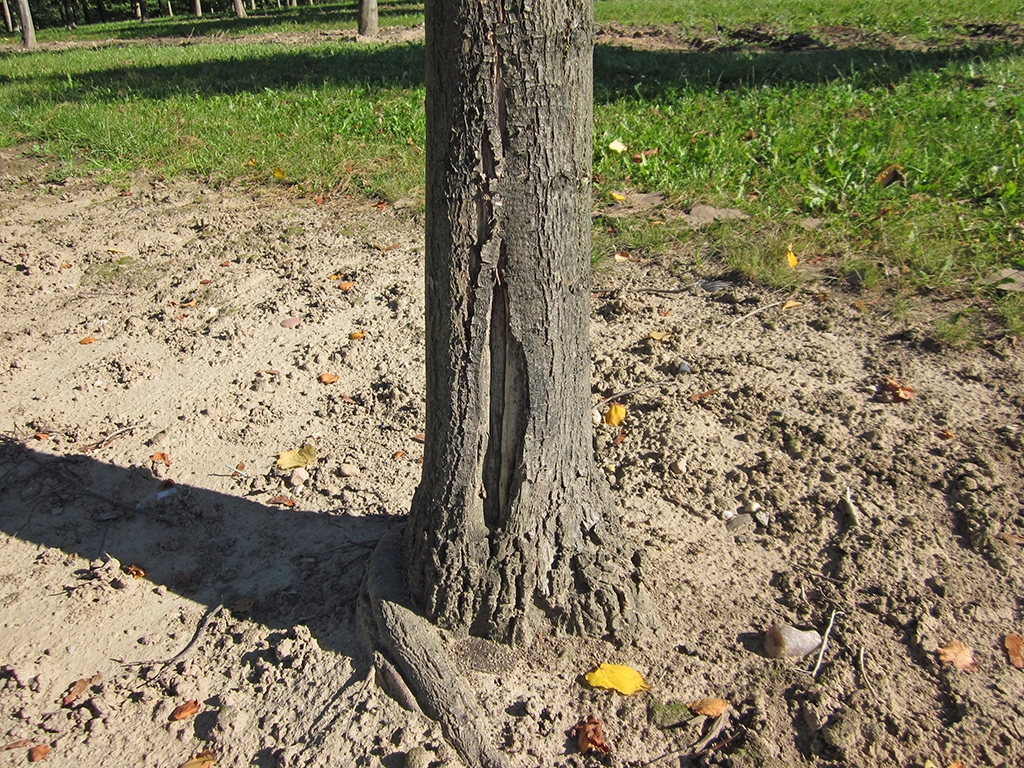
(28,30)
(511,526)
(368,24)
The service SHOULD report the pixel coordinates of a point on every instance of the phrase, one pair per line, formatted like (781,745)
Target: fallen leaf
(189,303)
(88,340)
(791,257)
(290,322)
(42,436)
(381,205)
(1013,644)
(205,759)
(399,454)
(16,744)
(702,395)
(619,437)
(791,304)
(891,174)
(66,265)
(135,571)
(623,256)
(617,146)
(279,173)
(328,378)
(959,655)
(617,677)
(160,458)
(860,306)
(899,392)
(709,707)
(665,312)
(356,335)
(205,282)
(38,752)
(78,687)
(420,438)
(240,466)
(225,263)
(284,501)
(187,709)
(346,285)
(615,415)
(589,735)
(945,434)
(659,335)
(297,457)
(618,197)
(243,605)
(1010,538)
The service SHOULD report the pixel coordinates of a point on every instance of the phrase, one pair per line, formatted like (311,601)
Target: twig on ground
(824,642)
(751,314)
(642,387)
(863,671)
(184,652)
(101,443)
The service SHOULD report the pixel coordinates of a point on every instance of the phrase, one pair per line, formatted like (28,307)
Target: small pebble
(682,367)
(298,477)
(348,470)
(678,467)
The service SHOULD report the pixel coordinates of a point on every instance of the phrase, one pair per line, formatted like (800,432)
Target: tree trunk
(8,22)
(368,26)
(511,524)
(86,18)
(170,10)
(239,9)
(69,15)
(28,31)
(199,8)
(102,10)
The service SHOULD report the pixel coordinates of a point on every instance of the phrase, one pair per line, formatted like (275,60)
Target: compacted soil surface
(799,460)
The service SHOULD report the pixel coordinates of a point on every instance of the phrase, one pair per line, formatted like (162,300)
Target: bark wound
(505,361)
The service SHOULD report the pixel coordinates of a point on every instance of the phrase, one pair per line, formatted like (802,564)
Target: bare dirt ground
(768,471)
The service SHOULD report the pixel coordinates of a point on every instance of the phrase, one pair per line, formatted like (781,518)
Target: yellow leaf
(617,677)
(356,335)
(279,173)
(617,146)
(659,335)
(618,197)
(929,764)
(298,457)
(205,759)
(792,304)
(615,415)
(791,257)
(709,707)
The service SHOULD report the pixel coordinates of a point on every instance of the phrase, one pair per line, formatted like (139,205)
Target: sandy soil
(767,471)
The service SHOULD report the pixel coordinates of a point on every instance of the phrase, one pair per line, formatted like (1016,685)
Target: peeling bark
(510,525)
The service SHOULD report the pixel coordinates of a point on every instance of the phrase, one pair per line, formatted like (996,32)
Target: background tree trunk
(8,22)
(368,26)
(28,31)
(239,9)
(511,524)
(198,8)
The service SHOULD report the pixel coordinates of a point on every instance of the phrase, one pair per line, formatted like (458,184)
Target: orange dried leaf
(187,709)
(225,263)
(88,340)
(328,378)
(589,735)
(205,759)
(665,313)
(346,285)
(709,707)
(899,392)
(135,571)
(1013,644)
(399,454)
(41,436)
(38,752)
(959,655)
(284,501)
(945,434)
(160,458)
(420,438)
(702,395)
(77,688)
(189,303)
(860,306)
(620,437)
(356,335)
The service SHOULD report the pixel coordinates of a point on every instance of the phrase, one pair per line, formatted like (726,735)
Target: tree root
(415,649)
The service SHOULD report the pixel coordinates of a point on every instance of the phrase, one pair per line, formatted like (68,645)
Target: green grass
(783,136)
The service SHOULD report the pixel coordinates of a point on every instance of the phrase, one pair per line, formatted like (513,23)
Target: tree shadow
(293,566)
(620,72)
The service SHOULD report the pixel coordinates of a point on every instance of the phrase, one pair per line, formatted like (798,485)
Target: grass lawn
(898,125)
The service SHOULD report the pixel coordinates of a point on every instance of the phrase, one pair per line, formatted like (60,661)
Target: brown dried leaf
(225,263)
(1010,538)
(1013,644)
(702,395)
(620,437)
(328,378)
(899,392)
(589,735)
(399,454)
(346,285)
(243,605)
(160,457)
(891,174)
(205,759)
(88,340)
(78,687)
(16,744)
(38,752)
(945,434)
(189,303)
(709,707)
(420,438)
(135,571)
(284,501)
(187,709)
(959,655)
